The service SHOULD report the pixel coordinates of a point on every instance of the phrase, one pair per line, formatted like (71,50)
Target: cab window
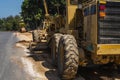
(84,1)
(74,2)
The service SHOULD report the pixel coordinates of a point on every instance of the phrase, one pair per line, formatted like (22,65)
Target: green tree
(33,10)
(10,23)
(56,6)
(31,13)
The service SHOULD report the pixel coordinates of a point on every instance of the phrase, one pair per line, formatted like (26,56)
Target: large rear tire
(54,49)
(35,36)
(68,57)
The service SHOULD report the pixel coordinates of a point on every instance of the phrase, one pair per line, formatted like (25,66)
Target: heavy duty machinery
(50,25)
(90,35)
(22,26)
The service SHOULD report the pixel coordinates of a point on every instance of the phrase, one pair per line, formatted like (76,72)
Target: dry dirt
(39,65)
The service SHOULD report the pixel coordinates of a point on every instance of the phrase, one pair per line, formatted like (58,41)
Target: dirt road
(37,65)
(11,67)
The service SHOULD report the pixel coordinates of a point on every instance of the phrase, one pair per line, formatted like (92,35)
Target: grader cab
(90,35)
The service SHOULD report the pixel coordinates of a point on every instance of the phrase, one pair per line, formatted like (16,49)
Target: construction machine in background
(89,34)
(48,27)
(22,26)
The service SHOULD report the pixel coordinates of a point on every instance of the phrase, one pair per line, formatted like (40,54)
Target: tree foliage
(10,23)
(33,10)
(56,6)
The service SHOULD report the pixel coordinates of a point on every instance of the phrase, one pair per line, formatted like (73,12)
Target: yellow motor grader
(22,27)
(90,35)
(49,25)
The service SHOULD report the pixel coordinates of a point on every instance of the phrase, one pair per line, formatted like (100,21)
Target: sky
(10,7)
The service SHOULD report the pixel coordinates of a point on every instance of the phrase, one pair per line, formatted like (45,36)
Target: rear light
(102,7)
(102,14)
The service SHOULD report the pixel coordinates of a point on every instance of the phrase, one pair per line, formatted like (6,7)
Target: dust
(16,60)
(38,66)
(29,68)
(24,43)
(19,45)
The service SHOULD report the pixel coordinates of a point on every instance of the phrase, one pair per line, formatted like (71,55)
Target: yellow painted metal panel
(102,2)
(94,28)
(108,49)
(71,11)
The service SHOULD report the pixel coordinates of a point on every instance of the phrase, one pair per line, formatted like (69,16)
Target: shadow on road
(104,72)
(44,57)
